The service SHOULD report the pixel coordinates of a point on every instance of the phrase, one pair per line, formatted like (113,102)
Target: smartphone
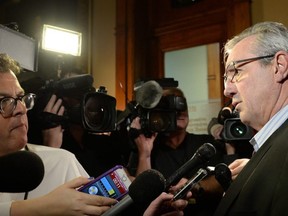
(114,184)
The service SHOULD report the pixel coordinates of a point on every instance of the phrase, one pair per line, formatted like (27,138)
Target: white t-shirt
(60,166)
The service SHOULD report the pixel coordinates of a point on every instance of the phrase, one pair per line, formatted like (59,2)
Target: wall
(103,44)
(267,10)
(103,56)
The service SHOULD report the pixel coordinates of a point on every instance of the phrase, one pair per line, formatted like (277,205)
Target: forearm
(32,207)
(144,163)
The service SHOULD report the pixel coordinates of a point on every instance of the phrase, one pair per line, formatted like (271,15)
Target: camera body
(234,130)
(93,109)
(163,117)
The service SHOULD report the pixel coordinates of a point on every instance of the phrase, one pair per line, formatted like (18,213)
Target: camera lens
(99,112)
(159,121)
(238,129)
(95,112)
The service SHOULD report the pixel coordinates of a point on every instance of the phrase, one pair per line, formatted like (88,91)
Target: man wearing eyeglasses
(256,79)
(60,166)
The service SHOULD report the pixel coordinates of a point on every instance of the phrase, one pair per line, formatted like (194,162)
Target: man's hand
(64,200)
(164,206)
(53,137)
(237,166)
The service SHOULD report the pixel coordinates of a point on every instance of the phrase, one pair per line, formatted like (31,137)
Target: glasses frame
(15,100)
(246,61)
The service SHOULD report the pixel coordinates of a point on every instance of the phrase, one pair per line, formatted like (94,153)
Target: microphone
(202,173)
(21,171)
(149,94)
(142,191)
(223,175)
(77,82)
(203,154)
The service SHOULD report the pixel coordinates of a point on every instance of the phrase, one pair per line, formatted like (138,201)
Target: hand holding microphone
(149,184)
(142,191)
(202,173)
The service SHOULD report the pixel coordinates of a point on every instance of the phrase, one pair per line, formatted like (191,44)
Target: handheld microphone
(142,191)
(149,94)
(21,171)
(223,175)
(202,173)
(201,156)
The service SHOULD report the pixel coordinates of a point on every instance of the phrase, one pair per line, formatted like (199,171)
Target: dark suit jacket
(262,186)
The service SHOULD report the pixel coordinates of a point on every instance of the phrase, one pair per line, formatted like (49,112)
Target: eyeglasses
(8,104)
(232,72)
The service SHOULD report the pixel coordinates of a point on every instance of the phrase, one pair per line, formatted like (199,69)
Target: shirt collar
(269,128)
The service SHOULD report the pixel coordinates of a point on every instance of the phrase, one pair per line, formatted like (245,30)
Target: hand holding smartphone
(114,184)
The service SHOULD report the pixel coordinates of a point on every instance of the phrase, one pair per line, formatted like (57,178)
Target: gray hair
(271,37)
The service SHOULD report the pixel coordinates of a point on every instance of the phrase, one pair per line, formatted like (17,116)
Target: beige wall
(268,10)
(102,62)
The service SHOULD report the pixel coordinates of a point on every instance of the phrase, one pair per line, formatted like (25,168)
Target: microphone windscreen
(146,187)
(223,175)
(149,94)
(206,151)
(203,154)
(21,171)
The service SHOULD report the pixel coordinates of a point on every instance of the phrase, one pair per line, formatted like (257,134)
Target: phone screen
(114,184)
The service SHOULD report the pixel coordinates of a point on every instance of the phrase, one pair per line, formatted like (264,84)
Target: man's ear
(281,66)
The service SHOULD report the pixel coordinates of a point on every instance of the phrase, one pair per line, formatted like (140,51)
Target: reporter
(60,165)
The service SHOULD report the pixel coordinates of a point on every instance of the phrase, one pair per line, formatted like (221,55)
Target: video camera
(93,109)
(233,128)
(157,113)
(163,117)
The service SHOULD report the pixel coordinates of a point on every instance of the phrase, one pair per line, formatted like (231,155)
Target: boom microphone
(201,156)
(76,82)
(149,94)
(142,191)
(21,171)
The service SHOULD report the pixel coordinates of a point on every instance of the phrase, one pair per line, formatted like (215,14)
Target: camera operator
(167,151)
(96,151)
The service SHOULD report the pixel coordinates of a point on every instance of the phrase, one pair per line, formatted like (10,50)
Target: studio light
(61,40)
(20,47)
